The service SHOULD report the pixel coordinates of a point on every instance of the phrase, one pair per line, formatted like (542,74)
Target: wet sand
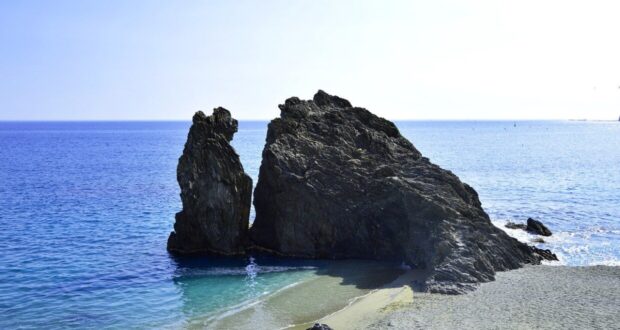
(365,310)
(540,297)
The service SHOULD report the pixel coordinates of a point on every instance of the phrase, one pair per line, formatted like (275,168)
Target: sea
(86,209)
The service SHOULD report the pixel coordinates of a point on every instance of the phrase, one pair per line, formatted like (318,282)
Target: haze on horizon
(163,60)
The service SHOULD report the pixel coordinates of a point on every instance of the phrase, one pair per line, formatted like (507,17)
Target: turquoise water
(86,208)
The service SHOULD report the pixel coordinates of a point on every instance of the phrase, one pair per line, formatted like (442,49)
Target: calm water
(86,208)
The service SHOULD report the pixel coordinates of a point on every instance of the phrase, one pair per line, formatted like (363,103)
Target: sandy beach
(542,297)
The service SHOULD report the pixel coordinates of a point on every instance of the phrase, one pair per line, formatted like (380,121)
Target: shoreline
(364,310)
(540,296)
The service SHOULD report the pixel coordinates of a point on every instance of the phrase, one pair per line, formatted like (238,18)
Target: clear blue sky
(97,60)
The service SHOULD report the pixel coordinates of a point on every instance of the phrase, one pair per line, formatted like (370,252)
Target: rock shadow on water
(363,274)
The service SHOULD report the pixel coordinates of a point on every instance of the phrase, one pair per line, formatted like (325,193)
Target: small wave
(576,249)
(612,262)
(519,234)
(232,310)
(572,248)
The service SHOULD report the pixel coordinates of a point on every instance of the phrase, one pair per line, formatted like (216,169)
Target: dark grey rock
(337,181)
(513,225)
(320,326)
(544,254)
(215,191)
(537,227)
(533,227)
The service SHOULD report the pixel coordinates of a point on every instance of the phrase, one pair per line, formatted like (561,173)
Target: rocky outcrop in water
(215,191)
(537,227)
(532,226)
(337,181)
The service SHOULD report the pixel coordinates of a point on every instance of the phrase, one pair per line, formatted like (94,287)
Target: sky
(164,60)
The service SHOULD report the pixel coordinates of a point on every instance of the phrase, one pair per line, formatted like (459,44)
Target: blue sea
(86,209)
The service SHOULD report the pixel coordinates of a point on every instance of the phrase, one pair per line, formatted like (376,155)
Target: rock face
(337,181)
(215,191)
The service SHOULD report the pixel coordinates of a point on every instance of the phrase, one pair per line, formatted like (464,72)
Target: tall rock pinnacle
(215,191)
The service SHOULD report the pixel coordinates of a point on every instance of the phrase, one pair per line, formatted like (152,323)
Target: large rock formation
(337,181)
(215,191)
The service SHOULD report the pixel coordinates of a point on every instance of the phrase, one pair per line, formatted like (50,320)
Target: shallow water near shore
(86,208)
(315,293)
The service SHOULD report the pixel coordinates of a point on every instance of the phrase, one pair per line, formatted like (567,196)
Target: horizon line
(267,119)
